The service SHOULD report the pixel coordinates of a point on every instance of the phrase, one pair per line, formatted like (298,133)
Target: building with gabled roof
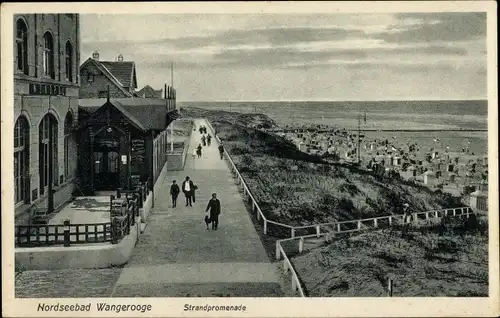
(149,92)
(122,139)
(96,76)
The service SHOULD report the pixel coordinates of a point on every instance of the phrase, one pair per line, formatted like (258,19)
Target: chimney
(95,55)
(120,58)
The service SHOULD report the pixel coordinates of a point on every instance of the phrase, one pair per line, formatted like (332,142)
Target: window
(21,160)
(48,55)
(69,62)
(68,124)
(112,161)
(22,46)
(47,129)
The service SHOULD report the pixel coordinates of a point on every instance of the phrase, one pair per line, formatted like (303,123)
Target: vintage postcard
(250,159)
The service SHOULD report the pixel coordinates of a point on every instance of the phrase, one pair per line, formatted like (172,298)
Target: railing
(60,234)
(327,229)
(68,234)
(339,227)
(359,225)
(287,265)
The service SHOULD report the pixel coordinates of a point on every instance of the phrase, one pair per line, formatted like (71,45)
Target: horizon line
(334,100)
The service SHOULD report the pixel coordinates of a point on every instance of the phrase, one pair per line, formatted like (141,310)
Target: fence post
(436,213)
(67,241)
(389,287)
(338,227)
(359,225)
(301,245)
(258,215)
(426,215)
(375,224)
(278,253)
(114,230)
(293,232)
(317,231)
(390,220)
(294,283)
(454,212)
(415,217)
(265,226)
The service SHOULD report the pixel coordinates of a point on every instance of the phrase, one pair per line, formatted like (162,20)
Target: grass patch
(444,258)
(296,188)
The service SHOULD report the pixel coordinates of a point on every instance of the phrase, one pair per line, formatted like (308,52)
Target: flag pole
(172,124)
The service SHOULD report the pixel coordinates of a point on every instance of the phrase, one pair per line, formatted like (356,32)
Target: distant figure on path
(174,192)
(221,151)
(204,129)
(214,207)
(204,141)
(188,189)
(200,130)
(194,153)
(198,151)
(209,140)
(407,213)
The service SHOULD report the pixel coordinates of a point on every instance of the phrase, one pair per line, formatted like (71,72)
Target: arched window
(69,62)
(47,149)
(21,160)
(22,46)
(48,55)
(68,124)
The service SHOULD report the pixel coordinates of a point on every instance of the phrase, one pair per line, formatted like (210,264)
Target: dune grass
(296,188)
(444,258)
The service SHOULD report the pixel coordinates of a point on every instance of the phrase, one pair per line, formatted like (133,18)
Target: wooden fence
(68,234)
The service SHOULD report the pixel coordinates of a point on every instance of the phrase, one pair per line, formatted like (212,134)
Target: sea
(380,115)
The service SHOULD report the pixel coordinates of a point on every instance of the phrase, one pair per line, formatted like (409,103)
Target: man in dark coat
(188,189)
(214,207)
(221,151)
(174,192)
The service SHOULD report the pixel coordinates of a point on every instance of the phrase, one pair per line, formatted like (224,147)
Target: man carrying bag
(214,207)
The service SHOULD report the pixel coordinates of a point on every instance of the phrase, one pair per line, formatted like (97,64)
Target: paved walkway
(177,256)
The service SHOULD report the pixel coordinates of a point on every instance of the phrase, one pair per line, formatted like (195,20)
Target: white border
(256,307)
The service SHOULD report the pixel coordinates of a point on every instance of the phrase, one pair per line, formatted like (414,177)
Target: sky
(260,57)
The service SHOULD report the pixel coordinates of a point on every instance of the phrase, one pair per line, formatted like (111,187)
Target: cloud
(434,27)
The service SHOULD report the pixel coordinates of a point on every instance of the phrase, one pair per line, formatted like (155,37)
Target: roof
(108,74)
(150,91)
(147,113)
(124,72)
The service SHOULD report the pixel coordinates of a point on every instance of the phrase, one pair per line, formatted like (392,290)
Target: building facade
(46,84)
(98,76)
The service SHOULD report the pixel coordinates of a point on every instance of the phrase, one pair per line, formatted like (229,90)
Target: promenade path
(176,255)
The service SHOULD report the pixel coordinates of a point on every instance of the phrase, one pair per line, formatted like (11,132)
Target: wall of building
(98,86)
(35,106)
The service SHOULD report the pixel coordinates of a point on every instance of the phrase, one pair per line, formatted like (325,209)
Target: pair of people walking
(203,129)
(206,140)
(189,190)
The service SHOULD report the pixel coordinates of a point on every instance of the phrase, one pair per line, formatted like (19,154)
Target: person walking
(407,213)
(214,207)
(209,140)
(174,192)
(188,189)
(221,151)
(198,151)
(204,141)
(194,153)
